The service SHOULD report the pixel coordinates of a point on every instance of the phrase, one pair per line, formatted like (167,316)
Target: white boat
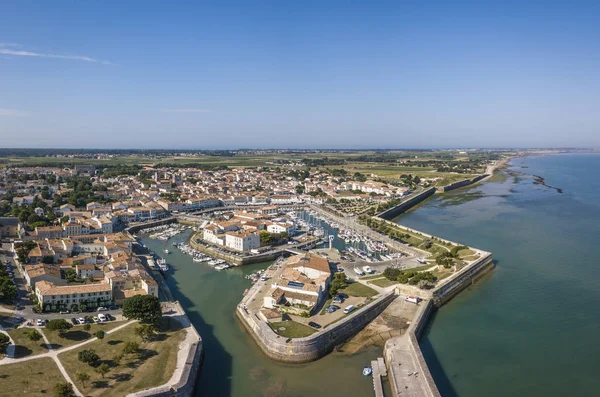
(222,266)
(367,371)
(167,251)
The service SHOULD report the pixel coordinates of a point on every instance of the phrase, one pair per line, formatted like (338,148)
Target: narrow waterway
(531,327)
(234,365)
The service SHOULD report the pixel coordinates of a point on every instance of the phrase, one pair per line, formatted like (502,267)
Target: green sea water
(531,327)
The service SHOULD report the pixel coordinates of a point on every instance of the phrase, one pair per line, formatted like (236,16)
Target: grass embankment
(77,334)
(358,289)
(371,277)
(29,378)
(292,329)
(25,347)
(153,366)
(383,282)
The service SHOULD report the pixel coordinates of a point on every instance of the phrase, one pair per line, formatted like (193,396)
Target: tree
(89,356)
(70,275)
(145,308)
(131,348)
(4,341)
(103,369)
(87,327)
(33,335)
(339,282)
(391,274)
(64,389)
(99,334)
(60,325)
(145,331)
(82,377)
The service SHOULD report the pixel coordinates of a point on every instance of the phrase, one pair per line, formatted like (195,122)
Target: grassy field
(292,329)
(29,378)
(383,282)
(77,334)
(25,347)
(153,366)
(374,276)
(358,289)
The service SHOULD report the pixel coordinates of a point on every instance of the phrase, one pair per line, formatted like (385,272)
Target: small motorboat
(167,251)
(367,371)
(422,261)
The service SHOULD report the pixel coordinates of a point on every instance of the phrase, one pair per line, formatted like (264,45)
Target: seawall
(463,183)
(406,205)
(315,346)
(406,349)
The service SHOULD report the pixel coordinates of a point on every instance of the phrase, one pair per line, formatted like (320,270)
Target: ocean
(531,326)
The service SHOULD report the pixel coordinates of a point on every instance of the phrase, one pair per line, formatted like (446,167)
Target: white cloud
(9,49)
(12,113)
(186,110)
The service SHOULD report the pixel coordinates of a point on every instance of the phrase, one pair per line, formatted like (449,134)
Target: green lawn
(152,367)
(358,289)
(383,282)
(29,378)
(77,334)
(371,277)
(25,347)
(292,329)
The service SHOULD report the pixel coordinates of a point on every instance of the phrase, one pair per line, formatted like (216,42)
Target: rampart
(404,206)
(463,183)
(301,350)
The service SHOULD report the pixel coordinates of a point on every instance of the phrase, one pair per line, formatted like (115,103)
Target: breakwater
(407,204)
(463,183)
(315,346)
(403,357)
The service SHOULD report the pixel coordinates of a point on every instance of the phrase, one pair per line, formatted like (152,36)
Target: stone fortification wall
(301,350)
(393,212)
(448,288)
(411,343)
(463,183)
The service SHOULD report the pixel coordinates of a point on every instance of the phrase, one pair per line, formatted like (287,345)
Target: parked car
(349,309)
(314,325)
(74,321)
(96,319)
(102,309)
(331,309)
(81,320)
(101,317)
(64,312)
(110,317)
(39,323)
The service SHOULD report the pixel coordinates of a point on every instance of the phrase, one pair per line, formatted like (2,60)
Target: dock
(379,370)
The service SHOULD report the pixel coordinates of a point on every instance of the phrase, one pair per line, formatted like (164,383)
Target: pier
(379,371)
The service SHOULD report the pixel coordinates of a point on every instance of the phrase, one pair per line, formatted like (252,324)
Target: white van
(101,317)
(349,309)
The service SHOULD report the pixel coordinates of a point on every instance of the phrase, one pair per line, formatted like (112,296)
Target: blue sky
(321,74)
